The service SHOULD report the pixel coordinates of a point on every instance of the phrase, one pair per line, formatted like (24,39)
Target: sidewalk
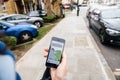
(85,61)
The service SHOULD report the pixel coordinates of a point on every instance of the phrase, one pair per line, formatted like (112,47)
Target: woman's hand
(60,72)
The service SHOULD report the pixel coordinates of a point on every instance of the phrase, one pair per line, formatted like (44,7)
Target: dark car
(106,23)
(20,18)
(23,32)
(37,13)
(90,10)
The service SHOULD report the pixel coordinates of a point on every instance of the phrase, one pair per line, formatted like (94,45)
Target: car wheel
(25,36)
(38,24)
(103,38)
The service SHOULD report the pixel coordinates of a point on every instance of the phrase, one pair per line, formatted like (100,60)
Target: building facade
(19,6)
(6,7)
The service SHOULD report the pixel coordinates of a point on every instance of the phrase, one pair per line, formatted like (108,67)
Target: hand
(60,72)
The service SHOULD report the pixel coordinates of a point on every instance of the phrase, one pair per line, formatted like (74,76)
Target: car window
(111,13)
(34,13)
(19,17)
(1,15)
(23,16)
(9,18)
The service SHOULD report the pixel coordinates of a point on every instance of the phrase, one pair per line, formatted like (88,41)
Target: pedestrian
(62,10)
(4,51)
(71,7)
(7,68)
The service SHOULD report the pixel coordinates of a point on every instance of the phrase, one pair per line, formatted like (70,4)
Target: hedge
(49,18)
(10,41)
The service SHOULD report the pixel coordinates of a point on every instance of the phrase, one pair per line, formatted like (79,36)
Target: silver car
(3,14)
(20,18)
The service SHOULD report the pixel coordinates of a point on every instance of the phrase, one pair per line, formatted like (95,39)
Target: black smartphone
(55,52)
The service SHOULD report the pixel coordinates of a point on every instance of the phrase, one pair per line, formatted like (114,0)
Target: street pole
(77,7)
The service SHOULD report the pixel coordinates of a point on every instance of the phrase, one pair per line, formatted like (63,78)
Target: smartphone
(55,52)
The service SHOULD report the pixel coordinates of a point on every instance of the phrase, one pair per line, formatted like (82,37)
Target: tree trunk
(48,7)
(56,7)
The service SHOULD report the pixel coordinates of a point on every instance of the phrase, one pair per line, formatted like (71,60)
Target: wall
(10,7)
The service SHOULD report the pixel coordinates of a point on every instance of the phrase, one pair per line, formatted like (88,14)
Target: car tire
(103,38)
(38,24)
(25,36)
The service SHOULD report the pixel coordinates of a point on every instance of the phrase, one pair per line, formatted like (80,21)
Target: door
(96,20)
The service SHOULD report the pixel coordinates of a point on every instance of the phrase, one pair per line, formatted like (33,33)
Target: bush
(9,40)
(49,18)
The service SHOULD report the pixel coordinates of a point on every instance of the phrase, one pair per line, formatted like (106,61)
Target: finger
(46,49)
(45,55)
(63,57)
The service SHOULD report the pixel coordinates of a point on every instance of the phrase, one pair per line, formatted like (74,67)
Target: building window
(3,7)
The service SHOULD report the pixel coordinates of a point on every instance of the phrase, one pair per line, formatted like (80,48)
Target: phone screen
(55,52)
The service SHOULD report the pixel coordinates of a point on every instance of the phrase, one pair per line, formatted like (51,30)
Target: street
(110,52)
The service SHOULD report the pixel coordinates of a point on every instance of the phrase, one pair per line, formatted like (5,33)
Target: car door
(96,20)
(92,20)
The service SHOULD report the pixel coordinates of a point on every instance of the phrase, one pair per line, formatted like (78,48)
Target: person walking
(4,51)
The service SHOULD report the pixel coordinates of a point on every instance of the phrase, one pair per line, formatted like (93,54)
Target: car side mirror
(97,17)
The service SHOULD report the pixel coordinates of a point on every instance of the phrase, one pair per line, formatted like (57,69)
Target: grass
(67,10)
(44,30)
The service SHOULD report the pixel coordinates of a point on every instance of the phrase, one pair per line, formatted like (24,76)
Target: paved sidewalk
(85,61)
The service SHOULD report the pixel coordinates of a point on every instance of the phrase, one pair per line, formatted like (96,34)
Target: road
(110,52)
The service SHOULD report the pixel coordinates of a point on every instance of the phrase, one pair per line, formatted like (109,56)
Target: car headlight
(34,26)
(113,32)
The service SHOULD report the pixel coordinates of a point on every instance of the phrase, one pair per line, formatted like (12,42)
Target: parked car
(37,13)
(19,18)
(66,6)
(98,6)
(106,23)
(23,32)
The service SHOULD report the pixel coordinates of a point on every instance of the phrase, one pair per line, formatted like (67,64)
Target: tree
(53,6)
(56,7)
(48,7)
